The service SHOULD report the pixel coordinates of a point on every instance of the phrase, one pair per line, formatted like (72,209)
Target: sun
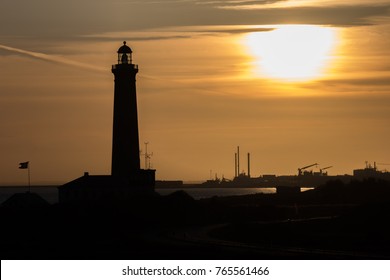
(292,52)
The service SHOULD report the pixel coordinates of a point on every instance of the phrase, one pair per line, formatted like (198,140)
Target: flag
(23,165)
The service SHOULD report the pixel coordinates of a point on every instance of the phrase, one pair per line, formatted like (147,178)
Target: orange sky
(202,90)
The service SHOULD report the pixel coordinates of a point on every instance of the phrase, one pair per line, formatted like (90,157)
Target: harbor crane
(322,169)
(305,167)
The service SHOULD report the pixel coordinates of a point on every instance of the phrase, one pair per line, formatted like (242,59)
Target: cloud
(265,4)
(184,32)
(328,15)
(233,30)
(44,18)
(50,58)
(212,2)
(132,38)
(359,82)
(240,2)
(265,12)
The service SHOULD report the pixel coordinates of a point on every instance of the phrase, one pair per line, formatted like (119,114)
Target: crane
(303,168)
(322,169)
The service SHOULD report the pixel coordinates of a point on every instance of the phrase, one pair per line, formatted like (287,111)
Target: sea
(50,193)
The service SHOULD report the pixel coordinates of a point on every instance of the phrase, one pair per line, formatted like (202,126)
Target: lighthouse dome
(124,48)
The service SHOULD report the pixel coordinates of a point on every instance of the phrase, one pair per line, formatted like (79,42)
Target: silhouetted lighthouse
(127,180)
(125,140)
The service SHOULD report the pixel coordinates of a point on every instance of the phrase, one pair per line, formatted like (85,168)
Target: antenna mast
(147,156)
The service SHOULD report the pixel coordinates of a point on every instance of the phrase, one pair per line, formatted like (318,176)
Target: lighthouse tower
(127,180)
(125,139)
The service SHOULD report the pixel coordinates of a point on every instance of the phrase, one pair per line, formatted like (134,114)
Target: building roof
(96,181)
(25,200)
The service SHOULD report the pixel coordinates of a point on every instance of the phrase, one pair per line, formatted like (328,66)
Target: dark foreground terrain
(336,221)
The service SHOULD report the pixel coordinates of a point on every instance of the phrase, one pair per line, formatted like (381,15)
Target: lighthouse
(127,180)
(125,138)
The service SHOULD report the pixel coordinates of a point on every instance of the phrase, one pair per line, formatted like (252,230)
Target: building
(127,179)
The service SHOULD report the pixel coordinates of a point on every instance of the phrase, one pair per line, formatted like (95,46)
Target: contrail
(65,61)
(53,58)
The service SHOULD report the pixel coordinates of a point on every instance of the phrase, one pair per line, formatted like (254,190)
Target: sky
(292,82)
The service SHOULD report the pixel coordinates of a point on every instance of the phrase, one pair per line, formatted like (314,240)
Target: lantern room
(124,54)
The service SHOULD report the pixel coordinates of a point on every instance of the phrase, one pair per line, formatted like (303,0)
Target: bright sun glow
(292,52)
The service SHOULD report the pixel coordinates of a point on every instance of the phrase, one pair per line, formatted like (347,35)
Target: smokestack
(249,165)
(235,164)
(238,160)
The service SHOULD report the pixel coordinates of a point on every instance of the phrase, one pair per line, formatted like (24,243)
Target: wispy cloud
(266,4)
(264,12)
(51,58)
(231,29)
(364,84)
(77,18)
(240,2)
(179,32)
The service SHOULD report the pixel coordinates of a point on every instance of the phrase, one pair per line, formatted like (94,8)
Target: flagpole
(26,165)
(29,178)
